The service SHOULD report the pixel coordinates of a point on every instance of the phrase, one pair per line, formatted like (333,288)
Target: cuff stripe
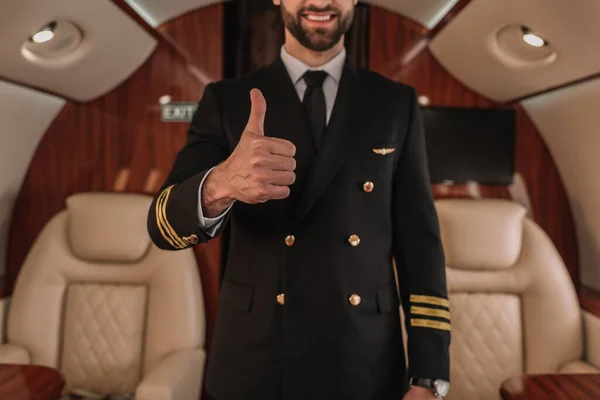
(430,312)
(163,207)
(437,301)
(159,221)
(166,229)
(429,323)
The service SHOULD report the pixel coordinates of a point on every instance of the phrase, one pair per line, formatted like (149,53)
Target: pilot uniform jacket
(309,307)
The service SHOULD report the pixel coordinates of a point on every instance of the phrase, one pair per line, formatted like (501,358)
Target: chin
(321,43)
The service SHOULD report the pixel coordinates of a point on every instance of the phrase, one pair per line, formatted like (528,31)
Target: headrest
(481,234)
(108,227)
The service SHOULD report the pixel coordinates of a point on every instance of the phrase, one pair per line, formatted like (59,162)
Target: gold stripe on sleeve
(429,323)
(438,301)
(167,225)
(431,312)
(160,223)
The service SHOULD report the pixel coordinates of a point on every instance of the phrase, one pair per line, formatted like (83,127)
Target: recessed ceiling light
(56,40)
(517,46)
(45,34)
(42,36)
(166,99)
(532,39)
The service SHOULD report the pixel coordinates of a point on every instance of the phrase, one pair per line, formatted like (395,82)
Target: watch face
(441,387)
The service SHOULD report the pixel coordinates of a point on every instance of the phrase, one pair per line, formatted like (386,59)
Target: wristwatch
(438,387)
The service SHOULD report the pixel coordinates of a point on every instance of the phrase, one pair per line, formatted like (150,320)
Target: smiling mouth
(319,17)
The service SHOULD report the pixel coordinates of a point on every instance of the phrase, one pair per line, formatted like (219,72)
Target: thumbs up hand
(259,169)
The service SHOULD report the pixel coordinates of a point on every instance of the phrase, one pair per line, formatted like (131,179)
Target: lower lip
(322,23)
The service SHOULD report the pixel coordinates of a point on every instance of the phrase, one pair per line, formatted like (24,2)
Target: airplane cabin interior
(96,100)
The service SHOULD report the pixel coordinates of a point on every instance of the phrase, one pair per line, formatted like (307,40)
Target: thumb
(258,111)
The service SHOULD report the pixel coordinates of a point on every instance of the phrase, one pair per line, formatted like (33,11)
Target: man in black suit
(322,191)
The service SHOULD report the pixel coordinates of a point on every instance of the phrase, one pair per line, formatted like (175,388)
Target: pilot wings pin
(383,152)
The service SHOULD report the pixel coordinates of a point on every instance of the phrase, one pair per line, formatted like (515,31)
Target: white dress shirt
(296,70)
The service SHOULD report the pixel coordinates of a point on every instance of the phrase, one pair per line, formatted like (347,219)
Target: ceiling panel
(569,121)
(426,12)
(467,46)
(113,47)
(157,12)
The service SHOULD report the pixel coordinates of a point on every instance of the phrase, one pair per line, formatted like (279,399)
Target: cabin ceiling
(468,49)
(426,12)
(113,47)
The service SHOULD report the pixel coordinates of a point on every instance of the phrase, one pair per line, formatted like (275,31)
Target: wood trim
(3,288)
(589,300)
(539,387)
(32,382)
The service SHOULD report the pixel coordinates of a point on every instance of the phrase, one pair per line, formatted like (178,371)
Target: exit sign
(178,112)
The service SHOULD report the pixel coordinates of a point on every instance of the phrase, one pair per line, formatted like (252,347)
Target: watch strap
(426,383)
(422,382)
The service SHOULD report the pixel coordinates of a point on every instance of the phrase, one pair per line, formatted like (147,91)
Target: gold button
(289,240)
(193,239)
(354,240)
(354,300)
(281,298)
(368,187)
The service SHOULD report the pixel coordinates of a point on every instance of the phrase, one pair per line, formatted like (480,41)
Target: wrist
(216,195)
(438,387)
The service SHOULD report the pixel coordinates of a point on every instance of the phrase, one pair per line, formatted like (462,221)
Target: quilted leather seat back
(105,323)
(514,307)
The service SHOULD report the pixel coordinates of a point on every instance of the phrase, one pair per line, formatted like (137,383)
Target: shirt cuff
(209,225)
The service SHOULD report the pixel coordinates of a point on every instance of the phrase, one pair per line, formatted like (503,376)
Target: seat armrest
(591,329)
(178,376)
(14,354)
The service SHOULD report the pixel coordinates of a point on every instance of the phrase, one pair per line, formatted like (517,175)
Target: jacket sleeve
(420,259)
(173,221)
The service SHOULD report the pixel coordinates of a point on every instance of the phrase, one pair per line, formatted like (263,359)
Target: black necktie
(314,104)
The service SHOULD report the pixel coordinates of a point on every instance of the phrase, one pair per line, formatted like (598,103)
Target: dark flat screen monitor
(466,145)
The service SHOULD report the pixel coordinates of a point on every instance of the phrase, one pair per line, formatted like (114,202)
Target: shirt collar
(297,68)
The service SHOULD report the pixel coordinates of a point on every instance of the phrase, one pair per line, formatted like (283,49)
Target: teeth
(318,17)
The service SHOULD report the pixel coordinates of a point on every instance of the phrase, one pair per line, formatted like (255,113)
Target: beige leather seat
(513,305)
(98,301)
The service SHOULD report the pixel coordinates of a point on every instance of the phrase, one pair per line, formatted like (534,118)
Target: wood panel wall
(398,50)
(118,143)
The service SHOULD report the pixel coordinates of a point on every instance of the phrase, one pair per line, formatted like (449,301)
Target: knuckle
(258,193)
(257,143)
(256,160)
(256,177)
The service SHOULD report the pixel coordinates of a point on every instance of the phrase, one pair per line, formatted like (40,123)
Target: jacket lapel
(343,131)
